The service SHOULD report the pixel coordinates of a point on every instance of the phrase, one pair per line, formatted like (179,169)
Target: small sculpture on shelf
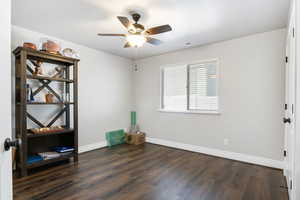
(29,93)
(59,72)
(49,98)
(50,46)
(29,45)
(38,71)
(68,52)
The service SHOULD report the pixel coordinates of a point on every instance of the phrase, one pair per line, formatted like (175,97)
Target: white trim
(91,147)
(199,149)
(220,153)
(211,112)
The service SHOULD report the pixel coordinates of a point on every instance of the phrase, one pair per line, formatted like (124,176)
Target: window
(190,87)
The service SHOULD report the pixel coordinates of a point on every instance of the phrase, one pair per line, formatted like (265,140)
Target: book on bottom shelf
(60,151)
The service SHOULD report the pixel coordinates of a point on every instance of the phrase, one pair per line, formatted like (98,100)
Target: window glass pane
(174,88)
(203,86)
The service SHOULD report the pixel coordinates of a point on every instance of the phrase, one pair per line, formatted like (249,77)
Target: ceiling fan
(137,35)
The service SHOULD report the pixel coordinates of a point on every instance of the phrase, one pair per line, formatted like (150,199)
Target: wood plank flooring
(152,172)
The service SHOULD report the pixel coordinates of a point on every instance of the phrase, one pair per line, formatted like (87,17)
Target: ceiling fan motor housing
(136,17)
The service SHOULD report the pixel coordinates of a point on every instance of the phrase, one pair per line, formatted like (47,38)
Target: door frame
(290,99)
(296,185)
(5,88)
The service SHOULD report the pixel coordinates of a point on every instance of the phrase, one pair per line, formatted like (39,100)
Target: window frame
(187,65)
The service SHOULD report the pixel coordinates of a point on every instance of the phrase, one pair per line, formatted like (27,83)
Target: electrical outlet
(226,141)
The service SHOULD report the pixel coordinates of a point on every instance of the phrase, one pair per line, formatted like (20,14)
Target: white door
(290,105)
(5,100)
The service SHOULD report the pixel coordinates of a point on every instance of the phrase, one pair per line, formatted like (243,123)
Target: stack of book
(55,153)
(63,150)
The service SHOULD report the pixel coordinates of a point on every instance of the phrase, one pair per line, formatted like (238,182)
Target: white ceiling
(196,21)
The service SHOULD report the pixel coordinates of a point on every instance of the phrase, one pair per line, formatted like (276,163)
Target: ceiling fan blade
(154,41)
(159,29)
(110,34)
(125,21)
(127,45)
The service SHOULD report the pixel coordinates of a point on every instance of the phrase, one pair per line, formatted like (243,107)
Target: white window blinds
(190,87)
(202,87)
(174,88)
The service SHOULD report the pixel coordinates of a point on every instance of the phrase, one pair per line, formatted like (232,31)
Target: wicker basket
(135,138)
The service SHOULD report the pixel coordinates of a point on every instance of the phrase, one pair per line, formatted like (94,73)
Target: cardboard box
(135,138)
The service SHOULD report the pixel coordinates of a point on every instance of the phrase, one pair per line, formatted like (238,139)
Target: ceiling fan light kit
(137,35)
(136,40)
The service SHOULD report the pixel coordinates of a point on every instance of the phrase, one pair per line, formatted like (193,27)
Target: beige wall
(251,97)
(251,94)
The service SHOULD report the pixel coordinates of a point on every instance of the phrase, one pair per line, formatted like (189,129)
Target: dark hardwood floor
(152,172)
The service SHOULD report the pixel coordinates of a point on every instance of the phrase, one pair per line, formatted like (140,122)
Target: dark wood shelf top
(62,132)
(45,162)
(45,56)
(49,78)
(44,103)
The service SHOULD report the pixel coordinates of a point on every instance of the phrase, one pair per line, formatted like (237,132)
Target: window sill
(207,112)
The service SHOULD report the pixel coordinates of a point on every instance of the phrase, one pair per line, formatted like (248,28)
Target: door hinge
(284,153)
(293,32)
(286,59)
(291,184)
(285,106)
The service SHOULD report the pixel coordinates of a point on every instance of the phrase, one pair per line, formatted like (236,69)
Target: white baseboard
(205,150)
(91,147)
(220,153)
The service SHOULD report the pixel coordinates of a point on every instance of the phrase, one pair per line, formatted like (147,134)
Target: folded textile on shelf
(49,155)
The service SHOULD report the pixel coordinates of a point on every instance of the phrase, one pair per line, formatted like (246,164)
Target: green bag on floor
(115,137)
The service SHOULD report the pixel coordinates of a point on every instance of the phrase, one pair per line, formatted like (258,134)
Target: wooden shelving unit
(31,143)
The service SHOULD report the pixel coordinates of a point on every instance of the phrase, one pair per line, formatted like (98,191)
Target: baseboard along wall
(90,147)
(199,149)
(220,153)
